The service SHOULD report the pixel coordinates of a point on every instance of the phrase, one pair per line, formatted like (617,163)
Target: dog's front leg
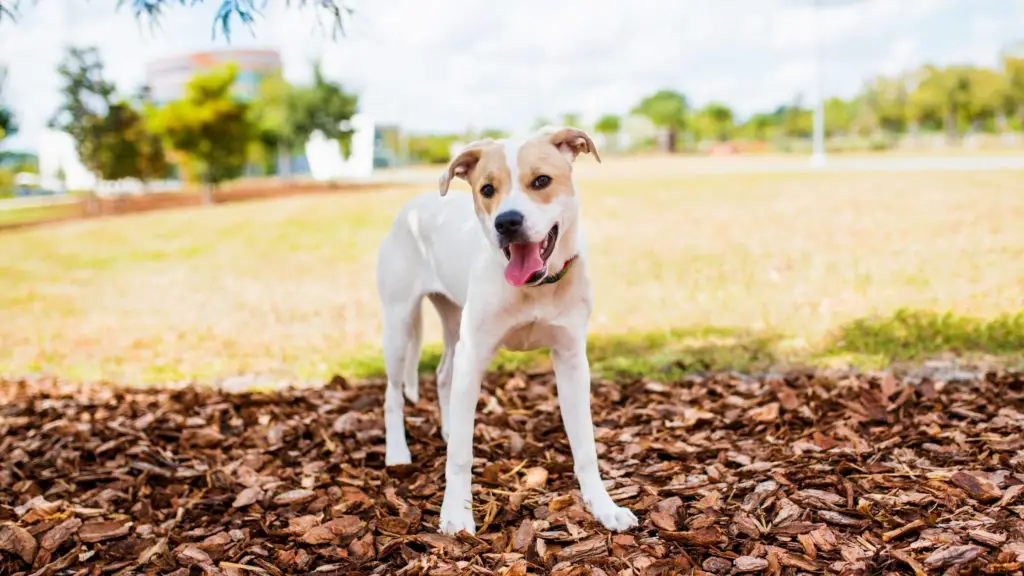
(572,375)
(471,360)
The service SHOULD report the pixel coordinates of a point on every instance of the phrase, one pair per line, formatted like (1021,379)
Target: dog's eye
(541,182)
(487,190)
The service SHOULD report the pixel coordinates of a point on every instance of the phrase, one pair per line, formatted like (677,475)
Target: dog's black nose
(508,223)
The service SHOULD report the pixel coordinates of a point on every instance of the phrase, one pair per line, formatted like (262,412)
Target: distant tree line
(951,100)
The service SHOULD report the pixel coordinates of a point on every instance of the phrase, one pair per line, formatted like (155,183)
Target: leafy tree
(885,105)
(715,121)
(431,148)
(667,109)
(571,119)
(760,126)
(989,97)
(109,133)
(839,115)
(493,133)
(324,107)
(540,123)
(244,10)
(208,126)
(796,121)
(1013,70)
(272,114)
(609,125)
(8,125)
(941,98)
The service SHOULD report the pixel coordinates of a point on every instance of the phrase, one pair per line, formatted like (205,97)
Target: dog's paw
(397,454)
(456,518)
(444,431)
(614,517)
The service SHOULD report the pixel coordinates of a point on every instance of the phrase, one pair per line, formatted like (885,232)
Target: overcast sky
(453,64)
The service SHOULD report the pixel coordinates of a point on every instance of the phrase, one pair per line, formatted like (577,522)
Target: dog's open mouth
(527,261)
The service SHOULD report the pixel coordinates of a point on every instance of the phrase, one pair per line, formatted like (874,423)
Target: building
(167,77)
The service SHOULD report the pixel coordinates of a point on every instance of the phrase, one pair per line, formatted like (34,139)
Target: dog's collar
(552,278)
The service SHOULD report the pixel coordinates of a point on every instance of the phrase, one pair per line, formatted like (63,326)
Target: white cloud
(449,64)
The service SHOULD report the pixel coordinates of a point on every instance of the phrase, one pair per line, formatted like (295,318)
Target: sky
(449,65)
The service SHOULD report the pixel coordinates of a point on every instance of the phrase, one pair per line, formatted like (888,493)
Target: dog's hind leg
(411,380)
(400,326)
(451,315)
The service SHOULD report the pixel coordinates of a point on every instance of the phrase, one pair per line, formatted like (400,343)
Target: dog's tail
(411,377)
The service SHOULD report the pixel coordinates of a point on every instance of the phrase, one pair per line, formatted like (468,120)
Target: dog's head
(524,194)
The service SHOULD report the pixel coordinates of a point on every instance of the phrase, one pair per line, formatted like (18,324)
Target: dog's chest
(528,336)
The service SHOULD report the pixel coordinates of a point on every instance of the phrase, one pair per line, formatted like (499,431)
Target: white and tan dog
(505,267)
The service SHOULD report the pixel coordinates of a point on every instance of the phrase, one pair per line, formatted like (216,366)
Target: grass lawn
(691,271)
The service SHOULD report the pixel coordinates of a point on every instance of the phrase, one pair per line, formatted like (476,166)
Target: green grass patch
(668,354)
(916,334)
(33,214)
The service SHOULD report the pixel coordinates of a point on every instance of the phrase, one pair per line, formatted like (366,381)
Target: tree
(324,107)
(492,133)
(208,126)
(609,125)
(110,135)
(1013,70)
(8,125)
(245,10)
(796,121)
(571,119)
(941,98)
(885,104)
(760,126)
(839,115)
(540,123)
(714,121)
(666,109)
(431,148)
(272,114)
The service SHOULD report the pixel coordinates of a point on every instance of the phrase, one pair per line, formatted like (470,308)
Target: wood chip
(18,541)
(952,556)
(979,488)
(749,564)
(93,531)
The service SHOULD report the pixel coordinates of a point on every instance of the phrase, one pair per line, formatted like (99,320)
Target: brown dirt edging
(97,207)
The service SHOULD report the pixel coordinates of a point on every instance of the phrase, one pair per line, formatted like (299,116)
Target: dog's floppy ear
(460,166)
(572,142)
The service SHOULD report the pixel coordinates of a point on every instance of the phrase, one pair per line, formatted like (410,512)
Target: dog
(505,267)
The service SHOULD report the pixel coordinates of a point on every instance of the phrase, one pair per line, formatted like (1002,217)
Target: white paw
(397,454)
(444,431)
(613,517)
(456,518)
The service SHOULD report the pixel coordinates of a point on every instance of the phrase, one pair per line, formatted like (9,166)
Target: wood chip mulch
(796,473)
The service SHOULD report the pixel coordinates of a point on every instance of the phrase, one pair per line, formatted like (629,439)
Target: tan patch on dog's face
(490,179)
(544,173)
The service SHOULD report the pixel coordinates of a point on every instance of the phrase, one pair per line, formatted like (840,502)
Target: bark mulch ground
(776,474)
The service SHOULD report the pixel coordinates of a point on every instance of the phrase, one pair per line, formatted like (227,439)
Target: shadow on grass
(918,334)
(907,335)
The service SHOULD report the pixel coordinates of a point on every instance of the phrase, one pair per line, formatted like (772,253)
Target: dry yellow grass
(287,286)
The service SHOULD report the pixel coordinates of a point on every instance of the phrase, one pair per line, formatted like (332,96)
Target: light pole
(818,151)
(818,154)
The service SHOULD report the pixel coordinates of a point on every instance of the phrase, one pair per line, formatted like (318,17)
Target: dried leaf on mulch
(781,474)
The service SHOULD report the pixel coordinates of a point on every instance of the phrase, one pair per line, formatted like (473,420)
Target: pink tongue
(524,262)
